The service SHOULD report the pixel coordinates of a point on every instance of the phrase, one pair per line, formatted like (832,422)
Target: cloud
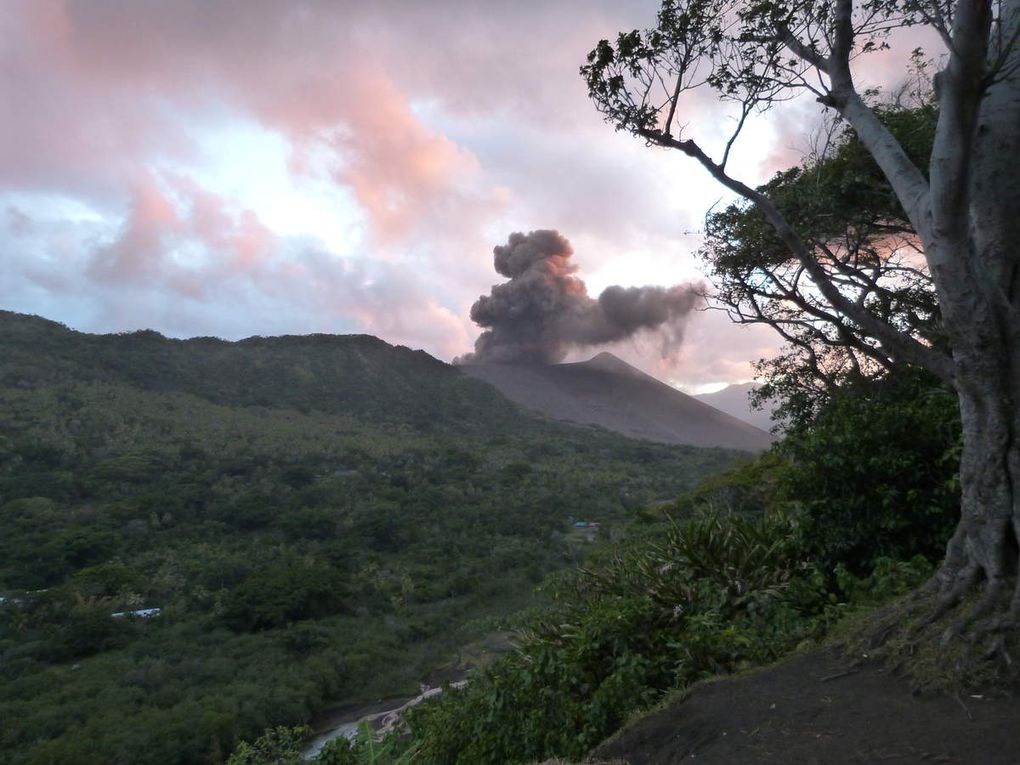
(180,235)
(397,168)
(186,261)
(442,126)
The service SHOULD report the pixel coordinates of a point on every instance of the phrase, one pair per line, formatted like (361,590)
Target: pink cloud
(137,251)
(342,73)
(450,123)
(395,165)
(172,218)
(118,80)
(182,251)
(67,132)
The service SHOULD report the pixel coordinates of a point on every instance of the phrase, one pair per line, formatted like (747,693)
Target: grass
(932,656)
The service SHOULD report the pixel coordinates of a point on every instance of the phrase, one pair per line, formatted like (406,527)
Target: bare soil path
(818,709)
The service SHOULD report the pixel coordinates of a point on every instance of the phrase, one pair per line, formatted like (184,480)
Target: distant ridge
(359,376)
(366,378)
(609,392)
(735,400)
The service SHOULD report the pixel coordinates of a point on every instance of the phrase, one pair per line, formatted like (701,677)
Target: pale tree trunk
(974,240)
(967,215)
(983,551)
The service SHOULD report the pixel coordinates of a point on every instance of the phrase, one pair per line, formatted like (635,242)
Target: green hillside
(319,519)
(358,376)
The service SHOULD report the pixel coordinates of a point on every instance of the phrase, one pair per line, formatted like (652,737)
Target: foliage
(288,583)
(357,376)
(876,471)
(365,749)
(283,593)
(716,594)
(277,746)
(284,746)
(847,512)
(841,203)
(300,559)
(749,488)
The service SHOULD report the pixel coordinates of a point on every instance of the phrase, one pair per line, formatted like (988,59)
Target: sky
(255,167)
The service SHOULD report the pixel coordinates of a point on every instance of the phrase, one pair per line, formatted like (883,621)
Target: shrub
(284,592)
(713,596)
(277,746)
(876,472)
(716,593)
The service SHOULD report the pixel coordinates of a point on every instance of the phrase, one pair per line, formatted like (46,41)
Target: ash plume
(544,310)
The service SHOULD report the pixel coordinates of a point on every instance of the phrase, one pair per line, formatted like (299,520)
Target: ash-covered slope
(735,400)
(609,392)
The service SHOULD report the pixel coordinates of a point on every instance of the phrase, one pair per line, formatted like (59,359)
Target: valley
(319,520)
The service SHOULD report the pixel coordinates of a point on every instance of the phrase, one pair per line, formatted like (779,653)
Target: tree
(840,202)
(276,746)
(875,471)
(964,207)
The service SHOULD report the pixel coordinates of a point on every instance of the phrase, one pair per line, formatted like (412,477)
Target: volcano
(609,392)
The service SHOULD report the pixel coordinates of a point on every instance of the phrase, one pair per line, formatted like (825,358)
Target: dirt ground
(818,709)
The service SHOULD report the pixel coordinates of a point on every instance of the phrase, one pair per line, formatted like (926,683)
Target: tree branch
(673,102)
(898,343)
(800,50)
(959,88)
(907,180)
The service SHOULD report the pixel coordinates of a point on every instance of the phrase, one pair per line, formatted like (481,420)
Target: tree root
(951,591)
(979,620)
(998,649)
(946,639)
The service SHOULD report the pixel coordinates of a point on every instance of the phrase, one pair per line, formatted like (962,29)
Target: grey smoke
(544,310)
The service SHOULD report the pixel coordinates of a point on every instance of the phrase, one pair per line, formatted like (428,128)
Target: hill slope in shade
(609,392)
(734,400)
(359,376)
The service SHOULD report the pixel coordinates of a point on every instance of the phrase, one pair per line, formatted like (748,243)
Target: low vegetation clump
(717,593)
(285,746)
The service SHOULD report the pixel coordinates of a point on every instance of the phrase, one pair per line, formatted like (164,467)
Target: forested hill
(358,376)
(305,521)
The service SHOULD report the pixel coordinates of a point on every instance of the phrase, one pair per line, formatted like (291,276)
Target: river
(385,717)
